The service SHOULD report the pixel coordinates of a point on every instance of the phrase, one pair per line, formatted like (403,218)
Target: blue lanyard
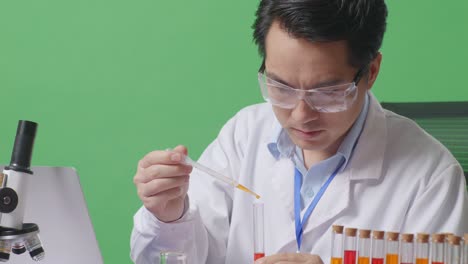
(297,202)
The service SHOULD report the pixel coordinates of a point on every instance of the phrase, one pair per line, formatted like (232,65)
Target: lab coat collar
(370,149)
(280,145)
(349,143)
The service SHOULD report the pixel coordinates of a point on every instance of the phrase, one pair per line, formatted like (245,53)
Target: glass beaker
(172,257)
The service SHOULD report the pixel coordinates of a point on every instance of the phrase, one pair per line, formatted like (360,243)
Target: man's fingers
(163,197)
(181,149)
(174,192)
(160,185)
(162,171)
(163,157)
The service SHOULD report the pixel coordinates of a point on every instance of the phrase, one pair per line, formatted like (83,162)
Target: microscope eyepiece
(22,150)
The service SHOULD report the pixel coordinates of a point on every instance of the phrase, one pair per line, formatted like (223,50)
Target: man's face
(301,64)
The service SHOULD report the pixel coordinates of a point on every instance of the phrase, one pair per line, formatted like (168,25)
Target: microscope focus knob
(8,200)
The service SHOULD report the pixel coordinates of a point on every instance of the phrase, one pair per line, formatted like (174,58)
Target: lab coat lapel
(282,182)
(279,205)
(335,199)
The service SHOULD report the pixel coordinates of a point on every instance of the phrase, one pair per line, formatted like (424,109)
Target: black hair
(361,23)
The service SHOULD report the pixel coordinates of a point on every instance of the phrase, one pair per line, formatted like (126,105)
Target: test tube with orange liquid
(337,245)
(391,252)
(378,244)
(438,249)
(364,246)
(407,249)
(422,248)
(350,248)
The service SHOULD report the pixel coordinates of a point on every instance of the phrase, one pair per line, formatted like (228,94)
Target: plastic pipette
(217,175)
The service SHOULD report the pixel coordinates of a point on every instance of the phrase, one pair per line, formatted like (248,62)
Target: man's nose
(304,113)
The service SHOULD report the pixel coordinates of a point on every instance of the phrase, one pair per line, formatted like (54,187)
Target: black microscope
(16,236)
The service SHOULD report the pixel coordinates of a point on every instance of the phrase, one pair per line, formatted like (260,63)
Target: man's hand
(290,258)
(162,183)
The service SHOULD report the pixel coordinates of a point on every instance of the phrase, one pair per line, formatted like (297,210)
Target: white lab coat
(398,179)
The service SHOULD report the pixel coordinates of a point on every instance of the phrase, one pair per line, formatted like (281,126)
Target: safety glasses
(330,99)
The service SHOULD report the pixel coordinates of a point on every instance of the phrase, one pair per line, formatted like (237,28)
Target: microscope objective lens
(18,248)
(5,249)
(34,246)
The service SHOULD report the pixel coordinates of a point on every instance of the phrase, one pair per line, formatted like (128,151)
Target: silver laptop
(55,202)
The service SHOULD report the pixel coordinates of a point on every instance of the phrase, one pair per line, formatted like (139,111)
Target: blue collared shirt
(313,179)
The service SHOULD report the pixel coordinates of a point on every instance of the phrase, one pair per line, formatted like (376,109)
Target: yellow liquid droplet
(245,189)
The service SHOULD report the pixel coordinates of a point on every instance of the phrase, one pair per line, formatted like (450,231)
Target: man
(322,151)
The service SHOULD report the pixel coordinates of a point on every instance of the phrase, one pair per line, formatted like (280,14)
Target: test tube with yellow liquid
(391,255)
(337,245)
(364,246)
(422,248)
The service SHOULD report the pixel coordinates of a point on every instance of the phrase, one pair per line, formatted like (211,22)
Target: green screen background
(109,81)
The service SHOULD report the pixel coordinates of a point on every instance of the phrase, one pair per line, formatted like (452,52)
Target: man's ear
(374,68)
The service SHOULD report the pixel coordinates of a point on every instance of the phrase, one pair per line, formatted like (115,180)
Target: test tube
(337,245)
(364,247)
(422,248)
(350,246)
(465,249)
(378,243)
(446,246)
(437,251)
(391,255)
(172,257)
(258,227)
(407,247)
(454,250)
